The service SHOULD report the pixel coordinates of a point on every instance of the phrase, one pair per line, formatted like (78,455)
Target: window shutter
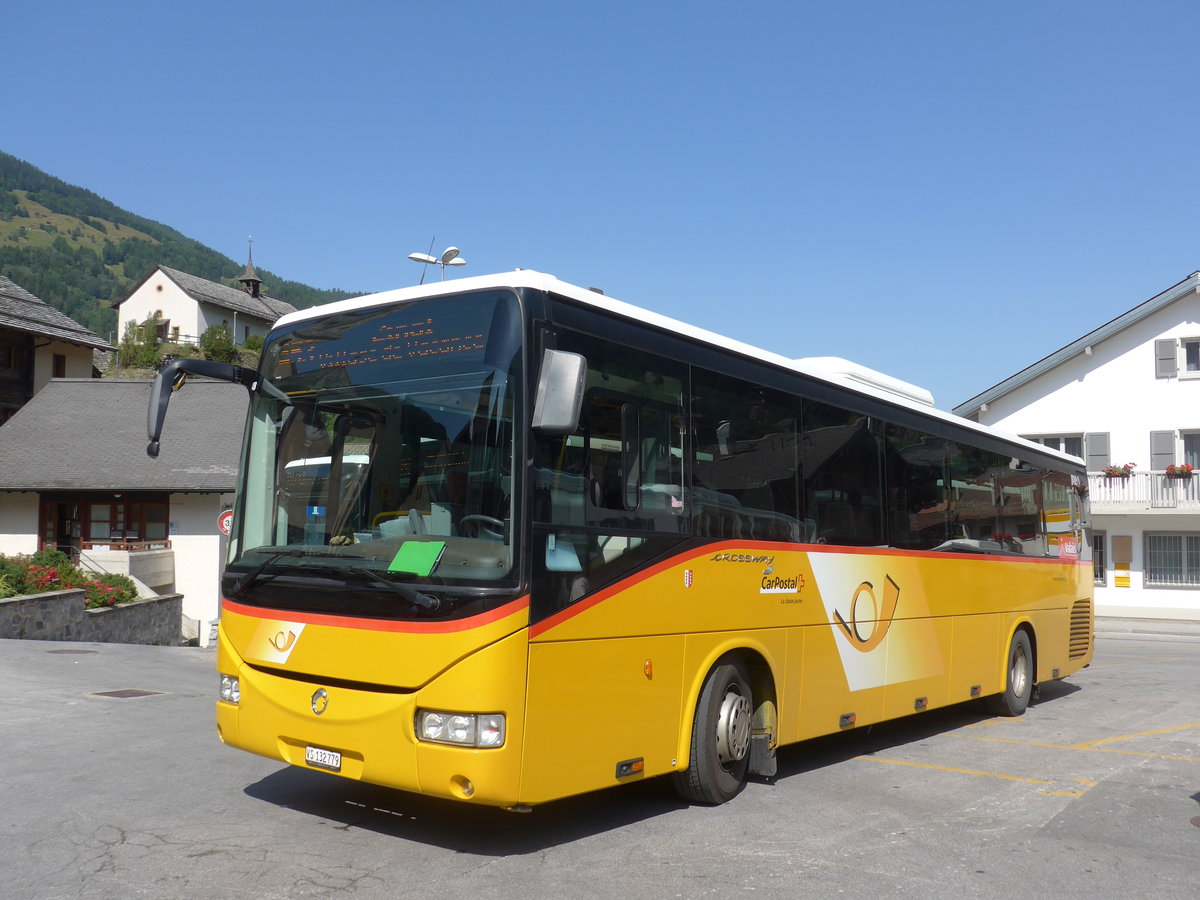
(1096,447)
(1166,363)
(1162,450)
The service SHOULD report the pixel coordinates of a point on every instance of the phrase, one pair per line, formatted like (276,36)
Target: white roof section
(840,372)
(1189,285)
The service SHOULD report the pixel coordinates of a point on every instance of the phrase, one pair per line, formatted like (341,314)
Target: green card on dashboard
(417,557)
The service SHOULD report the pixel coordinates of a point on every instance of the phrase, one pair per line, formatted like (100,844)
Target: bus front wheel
(720,752)
(1018,681)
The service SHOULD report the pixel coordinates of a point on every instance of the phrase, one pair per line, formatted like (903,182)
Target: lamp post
(449,257)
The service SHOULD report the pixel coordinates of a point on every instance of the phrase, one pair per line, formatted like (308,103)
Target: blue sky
(945,191)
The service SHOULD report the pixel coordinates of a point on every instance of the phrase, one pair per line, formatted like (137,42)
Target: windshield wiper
(422,601)
(244,583)
(426,602)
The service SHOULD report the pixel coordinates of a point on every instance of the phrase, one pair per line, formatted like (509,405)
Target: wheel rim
(733,727)
(1018,671)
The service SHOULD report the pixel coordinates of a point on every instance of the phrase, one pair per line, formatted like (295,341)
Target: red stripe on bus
(456,625)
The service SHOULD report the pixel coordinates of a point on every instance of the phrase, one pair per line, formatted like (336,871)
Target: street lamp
(449,257)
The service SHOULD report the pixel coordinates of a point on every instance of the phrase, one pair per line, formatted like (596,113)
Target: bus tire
(720,754)
(1018,681)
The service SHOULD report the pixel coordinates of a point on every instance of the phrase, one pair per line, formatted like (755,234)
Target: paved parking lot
(1095,792)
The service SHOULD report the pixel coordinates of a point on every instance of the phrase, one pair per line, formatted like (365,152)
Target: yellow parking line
(1144,662)
(1125,737)
(917,765)
(994,740)
(1194,759)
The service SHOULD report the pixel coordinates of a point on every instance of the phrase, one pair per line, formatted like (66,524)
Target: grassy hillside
(79,252)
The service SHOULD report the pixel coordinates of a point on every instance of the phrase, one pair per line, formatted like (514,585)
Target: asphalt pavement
(115,786)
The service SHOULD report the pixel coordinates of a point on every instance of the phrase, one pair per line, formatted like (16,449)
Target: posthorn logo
(320,701)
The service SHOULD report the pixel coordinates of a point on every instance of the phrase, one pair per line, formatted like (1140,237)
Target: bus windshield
(380,447)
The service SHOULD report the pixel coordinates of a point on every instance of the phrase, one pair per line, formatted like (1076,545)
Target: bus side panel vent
(1081,629)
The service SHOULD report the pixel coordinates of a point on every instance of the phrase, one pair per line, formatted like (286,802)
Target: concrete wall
(199,559)
(18,524)
(153,568)
(60,616)
(78,359)
(240,326)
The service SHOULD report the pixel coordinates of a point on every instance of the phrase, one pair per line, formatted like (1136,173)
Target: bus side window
(744,472)
(917,469)
(622,467)
(1017,489)
(840,459)
(974,505)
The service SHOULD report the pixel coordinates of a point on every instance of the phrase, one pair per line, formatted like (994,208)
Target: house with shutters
(185,306)
(1125,397)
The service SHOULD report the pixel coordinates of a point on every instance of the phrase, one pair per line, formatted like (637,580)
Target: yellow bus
(505,540)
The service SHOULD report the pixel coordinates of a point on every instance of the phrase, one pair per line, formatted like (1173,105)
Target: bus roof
(844,373)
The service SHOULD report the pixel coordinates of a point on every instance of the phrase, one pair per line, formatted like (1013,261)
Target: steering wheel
(481,526)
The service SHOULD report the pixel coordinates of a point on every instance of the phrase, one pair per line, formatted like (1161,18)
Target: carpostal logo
(781,584)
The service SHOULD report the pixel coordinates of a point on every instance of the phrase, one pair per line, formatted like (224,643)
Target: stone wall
(60,616)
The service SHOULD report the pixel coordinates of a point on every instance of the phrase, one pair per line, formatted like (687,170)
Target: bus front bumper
(371,735)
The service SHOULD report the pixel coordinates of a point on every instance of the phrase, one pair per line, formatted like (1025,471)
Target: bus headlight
(230,689)
(461,729)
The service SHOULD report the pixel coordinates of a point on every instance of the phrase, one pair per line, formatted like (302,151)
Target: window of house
(1191,449)
(131,519)
(1173,560)
(1177,357)
(1191,355)
(1071,443)
(1099,558)
(59,367)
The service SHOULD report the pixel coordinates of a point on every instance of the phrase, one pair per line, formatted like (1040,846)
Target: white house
(1126,395)
(187,306)
(74,476)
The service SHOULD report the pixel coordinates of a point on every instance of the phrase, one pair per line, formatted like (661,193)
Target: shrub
(109,589)
(51,570)
(217,344)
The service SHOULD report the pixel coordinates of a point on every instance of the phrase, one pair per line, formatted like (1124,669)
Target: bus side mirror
(172,377)
(559,392)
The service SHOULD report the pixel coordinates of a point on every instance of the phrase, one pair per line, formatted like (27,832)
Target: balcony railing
(1144,490)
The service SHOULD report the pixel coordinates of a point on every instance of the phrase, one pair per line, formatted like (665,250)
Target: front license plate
(323,759)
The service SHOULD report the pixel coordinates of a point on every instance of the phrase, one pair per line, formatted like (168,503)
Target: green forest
(79,252)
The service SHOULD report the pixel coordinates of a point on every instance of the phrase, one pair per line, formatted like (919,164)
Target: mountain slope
(80,252)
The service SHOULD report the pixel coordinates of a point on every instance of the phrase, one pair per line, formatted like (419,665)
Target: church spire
(250,281)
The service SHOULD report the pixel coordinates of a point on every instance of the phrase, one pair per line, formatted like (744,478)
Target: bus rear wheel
(720,754)
(1018,682)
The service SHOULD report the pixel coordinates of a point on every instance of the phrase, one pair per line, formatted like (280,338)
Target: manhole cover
(72,651)
(126,694)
